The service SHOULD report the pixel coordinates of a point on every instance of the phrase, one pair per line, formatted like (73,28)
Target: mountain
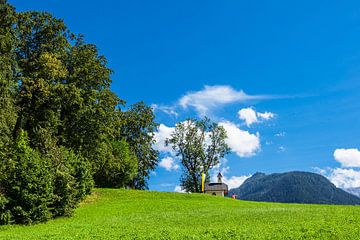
(354,191)
(293,187)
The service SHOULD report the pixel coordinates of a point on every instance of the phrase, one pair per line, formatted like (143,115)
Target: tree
(118,166)
(41,50)
(64,88)
(7,82)
(137,127)
(7,101)
(56,108)
(88,106)
(200,144)
(61,126)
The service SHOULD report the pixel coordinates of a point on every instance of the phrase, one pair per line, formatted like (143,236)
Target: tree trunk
(18,126)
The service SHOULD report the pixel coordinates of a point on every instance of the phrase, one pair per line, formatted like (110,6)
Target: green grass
(122,214)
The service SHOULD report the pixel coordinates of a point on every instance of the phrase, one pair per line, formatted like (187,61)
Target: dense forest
(62,130)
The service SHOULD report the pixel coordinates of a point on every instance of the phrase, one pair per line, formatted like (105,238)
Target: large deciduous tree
(61,126)
(138,129)
(7,103)
(200,144)
(7,80)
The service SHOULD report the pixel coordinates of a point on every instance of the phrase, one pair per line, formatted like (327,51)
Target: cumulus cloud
(348,157)
(342,178)
(216,96)
(179,189)
(250,116)
(169,164)
(266,115)
(243,143)
(235,181)
(163,132)
(346,176)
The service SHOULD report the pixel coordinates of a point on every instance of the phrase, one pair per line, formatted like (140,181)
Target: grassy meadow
(128,214)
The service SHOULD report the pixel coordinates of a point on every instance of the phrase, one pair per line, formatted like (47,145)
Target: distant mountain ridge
(293,187)
(354,191)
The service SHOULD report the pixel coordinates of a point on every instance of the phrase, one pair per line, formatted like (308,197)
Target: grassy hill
(122,214)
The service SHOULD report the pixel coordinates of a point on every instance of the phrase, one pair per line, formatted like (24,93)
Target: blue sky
(299,60)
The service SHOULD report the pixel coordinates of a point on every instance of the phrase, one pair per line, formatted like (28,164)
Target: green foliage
(137,128)
(128,214)
(60,123)
(72,181)
(36,187)
(7,66)
(89,108)
(117,167)
(5,214)
(28,184)
(200,144)
(41,52)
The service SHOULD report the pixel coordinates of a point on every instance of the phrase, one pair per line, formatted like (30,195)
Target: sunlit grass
(127,214)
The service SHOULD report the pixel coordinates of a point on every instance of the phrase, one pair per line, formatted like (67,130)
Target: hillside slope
(121,214)
(293,187)
(354,191)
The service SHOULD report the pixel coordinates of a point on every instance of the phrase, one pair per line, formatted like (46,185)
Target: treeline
(62,129)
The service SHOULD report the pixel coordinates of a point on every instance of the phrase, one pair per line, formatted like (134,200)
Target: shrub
(35,187)
(5,215)
(27,185)
(72,182)
(117,166)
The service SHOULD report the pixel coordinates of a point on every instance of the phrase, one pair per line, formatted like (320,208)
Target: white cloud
(169,164)
(320,170)
(170,110)
(342,178)
(179,189)
(266,115)
(250,116)
(212,97)
(161,135)
(235,181)
(348,157)
(346,176)
(243,143)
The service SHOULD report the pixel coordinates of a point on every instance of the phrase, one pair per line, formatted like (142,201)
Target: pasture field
(129,214)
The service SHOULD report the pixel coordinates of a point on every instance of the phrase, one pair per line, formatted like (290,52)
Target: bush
(72,181)
(35,187)
(28,185)
(117,166)
(5,215)
(83,174)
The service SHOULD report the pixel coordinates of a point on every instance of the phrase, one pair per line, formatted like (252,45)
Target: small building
(217,189)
